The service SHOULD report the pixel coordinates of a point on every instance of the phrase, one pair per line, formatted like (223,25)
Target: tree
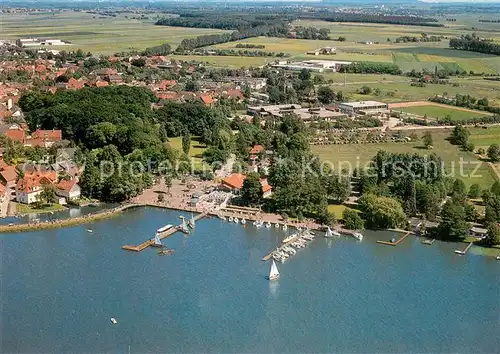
(493,237)
(365,90)
(471,214)
(494,153)
(459,190)
(338,188)
(495,188)
(192,86)
(251,191)
(326,94)
(459,135)
(453,226)
(305,75)
(427,140)
(48,194)
(382,212)
(474,191)
(186,143)
(352,220)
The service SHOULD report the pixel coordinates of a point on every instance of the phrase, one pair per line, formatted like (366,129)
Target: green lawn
(29,209)
(441,112)
(195,152)
(359,155)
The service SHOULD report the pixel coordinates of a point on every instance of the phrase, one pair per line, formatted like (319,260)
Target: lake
(60,288)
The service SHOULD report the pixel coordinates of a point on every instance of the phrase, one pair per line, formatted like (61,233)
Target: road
(4,207)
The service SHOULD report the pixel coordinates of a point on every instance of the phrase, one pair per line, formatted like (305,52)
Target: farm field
(225,61)
(401,91)
(437,112)
(91,33)
(354,155)
(484,137)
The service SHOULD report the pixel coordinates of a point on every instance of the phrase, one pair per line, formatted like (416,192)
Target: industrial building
(363,107)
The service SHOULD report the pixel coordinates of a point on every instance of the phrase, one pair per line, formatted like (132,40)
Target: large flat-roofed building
(362,106)
(36,42)
(306,114)
(313,65)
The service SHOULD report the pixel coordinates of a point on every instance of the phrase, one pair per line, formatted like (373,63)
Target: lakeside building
(363,107)
(308,115)
(234,184)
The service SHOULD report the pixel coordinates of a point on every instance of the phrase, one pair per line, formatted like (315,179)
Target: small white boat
(113,320)
(285,227)
(498,258)
(90,230)
(243,221)
(236,220)
(358,236)
(289,238)
(164,228)
(268,224)
(276,226)
(274,273)
(331,233)
(459,252)
(222,217)
(258,224)
(230,219)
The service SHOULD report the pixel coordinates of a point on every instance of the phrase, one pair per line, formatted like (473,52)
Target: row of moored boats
(256,223)
(291,244)
(332,233)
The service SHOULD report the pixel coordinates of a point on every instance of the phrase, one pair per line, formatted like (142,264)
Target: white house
(68,189)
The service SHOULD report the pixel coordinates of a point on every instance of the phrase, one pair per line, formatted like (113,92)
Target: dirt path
(429,103)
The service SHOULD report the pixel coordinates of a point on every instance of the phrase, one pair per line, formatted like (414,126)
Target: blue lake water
(59,289)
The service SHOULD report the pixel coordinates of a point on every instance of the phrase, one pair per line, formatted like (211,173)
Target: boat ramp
(167,233)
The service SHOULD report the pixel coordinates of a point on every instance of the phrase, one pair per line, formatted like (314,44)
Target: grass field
(195,152)
(233,62)
(484,137)
(343,156)
(440,112)
(91,33)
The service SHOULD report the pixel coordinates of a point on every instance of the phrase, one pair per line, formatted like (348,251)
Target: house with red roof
(16,135)
(8,176)
(68,189)
(74,84)
(31,185)
(207,99)
(234,183)
(47,135)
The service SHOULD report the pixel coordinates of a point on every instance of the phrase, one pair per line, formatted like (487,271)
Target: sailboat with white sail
(157,241)
(274,273)
(191,222)
(184,227)
(331,233)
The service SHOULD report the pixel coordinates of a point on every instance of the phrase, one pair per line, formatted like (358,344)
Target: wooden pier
(268,257)
(162,235)
(394,243)
(466,249)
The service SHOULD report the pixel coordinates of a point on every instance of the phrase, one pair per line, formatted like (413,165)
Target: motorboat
(277,226)
(165,252)
(90,230)
(498,258)
(230,219)
(288,239)
(459,252)
(358,236)
(113,320)
(236,220)
(164,228)
(243,221)
(285,227)
(268,224)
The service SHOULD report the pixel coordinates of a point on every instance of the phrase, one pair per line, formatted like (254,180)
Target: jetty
(161,235)
(465,250)
(388,243)
(292,239)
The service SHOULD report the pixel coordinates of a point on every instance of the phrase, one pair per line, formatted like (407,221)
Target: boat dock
(162,235)
(466,249)
(428,242)
(388,243)
(292,239)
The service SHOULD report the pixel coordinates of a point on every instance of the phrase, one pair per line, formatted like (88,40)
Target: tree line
(473,43)
(371,68)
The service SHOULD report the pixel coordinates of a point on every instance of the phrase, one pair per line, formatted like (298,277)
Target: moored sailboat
(331,233)
(157,241)
(274,273)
